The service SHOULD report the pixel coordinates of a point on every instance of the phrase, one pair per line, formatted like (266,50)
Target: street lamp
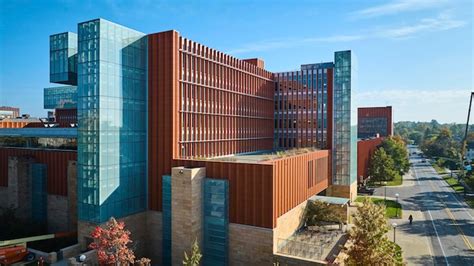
(385,191)
(394,225)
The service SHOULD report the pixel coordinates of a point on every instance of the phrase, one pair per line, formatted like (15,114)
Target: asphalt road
(448,222)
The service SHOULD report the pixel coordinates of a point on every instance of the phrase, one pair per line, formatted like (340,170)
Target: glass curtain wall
(112,120)
(342,151)
(60,97)
(63,58)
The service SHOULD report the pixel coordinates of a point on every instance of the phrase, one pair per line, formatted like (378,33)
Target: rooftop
(260,157)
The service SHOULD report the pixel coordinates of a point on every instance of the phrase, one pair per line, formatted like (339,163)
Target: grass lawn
(396,182)
(453,182)
(392,206)
(438,169)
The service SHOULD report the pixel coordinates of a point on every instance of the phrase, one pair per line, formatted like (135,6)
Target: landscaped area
(397,181)
(393,209)
(458,188)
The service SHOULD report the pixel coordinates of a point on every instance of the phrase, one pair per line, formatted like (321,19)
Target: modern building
(373,121)
(9,112)
(374,124)
(184,142)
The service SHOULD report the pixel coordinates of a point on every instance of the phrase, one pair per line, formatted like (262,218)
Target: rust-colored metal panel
(56,161)
(365,150)
(250,189)
(66,116)
(291,176)
(163,97)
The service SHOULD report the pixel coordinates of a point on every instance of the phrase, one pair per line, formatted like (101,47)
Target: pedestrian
(410,218)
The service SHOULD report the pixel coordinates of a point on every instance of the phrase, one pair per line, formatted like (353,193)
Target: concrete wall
(250,245)
(57,213)
(186,210)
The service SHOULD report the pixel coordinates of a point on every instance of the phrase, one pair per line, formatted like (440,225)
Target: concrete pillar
(186,210)
(19,185)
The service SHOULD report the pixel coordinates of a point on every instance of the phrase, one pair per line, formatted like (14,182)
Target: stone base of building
(58,214)
(343,191)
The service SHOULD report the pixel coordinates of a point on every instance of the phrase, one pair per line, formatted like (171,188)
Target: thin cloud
(442,22)
(417,105)
(396,7)
(275,44)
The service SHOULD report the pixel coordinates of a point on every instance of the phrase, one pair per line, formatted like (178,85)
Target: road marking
(434,227)
(437,236)
(451,192)
(451,216)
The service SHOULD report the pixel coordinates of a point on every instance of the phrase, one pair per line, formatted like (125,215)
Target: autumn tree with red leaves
(111,243)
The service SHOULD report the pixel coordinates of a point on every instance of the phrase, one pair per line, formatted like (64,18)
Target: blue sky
(416,55)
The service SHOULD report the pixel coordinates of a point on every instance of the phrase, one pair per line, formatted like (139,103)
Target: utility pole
(464,141)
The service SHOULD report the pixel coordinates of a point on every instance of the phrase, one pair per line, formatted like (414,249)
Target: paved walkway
(411,238)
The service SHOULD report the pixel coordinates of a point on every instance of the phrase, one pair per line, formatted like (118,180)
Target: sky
(415,55)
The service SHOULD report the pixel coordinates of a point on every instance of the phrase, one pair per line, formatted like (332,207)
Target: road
(445,221)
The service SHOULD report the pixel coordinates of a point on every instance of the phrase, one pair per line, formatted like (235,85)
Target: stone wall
(57,213)
(341,191)
(72,194)
(186,210)
(288,223)
(19,185)
(154,237)
(250,245)
(4,202)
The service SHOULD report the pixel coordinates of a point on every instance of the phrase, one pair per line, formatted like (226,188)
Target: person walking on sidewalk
(410,218)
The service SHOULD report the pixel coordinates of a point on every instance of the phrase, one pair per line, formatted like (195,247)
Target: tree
(395,147)
(370,244)
(382,166)
(111,243)
(195,257)
(318,212)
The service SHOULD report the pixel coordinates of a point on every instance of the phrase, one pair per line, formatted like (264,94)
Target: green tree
(395,147)
(370,244)
(318,212)
(195,257)
(382,166)
(443,145)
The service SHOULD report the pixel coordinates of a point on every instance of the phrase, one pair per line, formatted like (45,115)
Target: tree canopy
(382,166)
(369,242)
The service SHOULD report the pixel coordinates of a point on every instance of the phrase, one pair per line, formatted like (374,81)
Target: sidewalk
(416,247)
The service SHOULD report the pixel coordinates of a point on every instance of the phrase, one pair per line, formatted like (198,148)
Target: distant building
(374,120)
(9,112)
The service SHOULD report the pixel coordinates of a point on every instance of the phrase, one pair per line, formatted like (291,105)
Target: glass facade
(63,58)
(216,222)
(343,133)
(166,224)
(60,97)
(370,126)
(38,193)
(341,138)
(301,107)
(112,114)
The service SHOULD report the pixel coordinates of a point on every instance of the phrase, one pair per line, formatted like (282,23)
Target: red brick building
(374,120)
